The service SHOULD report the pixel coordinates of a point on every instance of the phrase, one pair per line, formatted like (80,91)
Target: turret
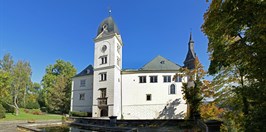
(191,55)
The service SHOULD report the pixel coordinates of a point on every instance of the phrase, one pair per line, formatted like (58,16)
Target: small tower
(107,70)
(191,55)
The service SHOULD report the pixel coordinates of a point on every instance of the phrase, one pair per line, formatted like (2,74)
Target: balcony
(102,102)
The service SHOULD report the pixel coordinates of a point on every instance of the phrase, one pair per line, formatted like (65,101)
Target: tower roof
(107,27)
(191,55)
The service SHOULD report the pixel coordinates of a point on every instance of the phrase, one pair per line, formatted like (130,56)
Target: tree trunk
(16,106)
(244,99)
(24,98)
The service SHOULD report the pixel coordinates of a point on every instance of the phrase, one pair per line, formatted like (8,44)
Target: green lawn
(28,116)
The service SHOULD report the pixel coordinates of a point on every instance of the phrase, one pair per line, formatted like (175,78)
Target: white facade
(81,96)
(146,93)
(107,73)
(163,103)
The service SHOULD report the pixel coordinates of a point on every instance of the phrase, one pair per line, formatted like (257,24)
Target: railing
(102,101)
(202,125)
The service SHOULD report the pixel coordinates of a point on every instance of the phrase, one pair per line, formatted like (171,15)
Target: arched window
(172,89)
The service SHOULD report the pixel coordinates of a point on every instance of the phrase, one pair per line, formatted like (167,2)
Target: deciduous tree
(57,86)
(236,30)
(194,89)
(16,78)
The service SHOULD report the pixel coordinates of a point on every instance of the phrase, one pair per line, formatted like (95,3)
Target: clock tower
(107,70)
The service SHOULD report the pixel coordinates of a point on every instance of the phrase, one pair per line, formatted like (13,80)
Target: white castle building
(150,92)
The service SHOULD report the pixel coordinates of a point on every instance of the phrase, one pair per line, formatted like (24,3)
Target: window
(142,79)
(118,61)
(103,59)
(82,96)
(103,76)
(178,78)
(166,78)
(103,92)
(172,89)
(153,79)
(148,97)
(118,48)
(82,83)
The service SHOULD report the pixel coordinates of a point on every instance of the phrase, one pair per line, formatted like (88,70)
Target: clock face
(104,48)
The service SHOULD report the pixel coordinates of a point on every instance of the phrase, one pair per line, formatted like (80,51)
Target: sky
(43,31)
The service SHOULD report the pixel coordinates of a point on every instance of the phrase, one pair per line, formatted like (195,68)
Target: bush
(2,112)
(44,109)
(79,114)
(26,110)
(8,108)
(36,112)
(32,105)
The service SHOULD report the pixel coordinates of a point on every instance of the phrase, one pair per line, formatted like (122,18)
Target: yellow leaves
(210,111)
(207,88)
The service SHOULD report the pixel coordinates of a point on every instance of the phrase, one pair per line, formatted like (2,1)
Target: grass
(28,116)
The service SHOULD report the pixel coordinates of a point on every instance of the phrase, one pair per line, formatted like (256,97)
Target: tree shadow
(169,111)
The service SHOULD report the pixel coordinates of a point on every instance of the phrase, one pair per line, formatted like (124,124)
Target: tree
(4,84)
(32,97)
(21,78)
(7,63)
(236,32)
(57,86)
(193,90)
(16,78)
(210,111)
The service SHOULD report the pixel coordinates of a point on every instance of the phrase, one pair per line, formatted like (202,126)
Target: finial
(190,37)
(109,11)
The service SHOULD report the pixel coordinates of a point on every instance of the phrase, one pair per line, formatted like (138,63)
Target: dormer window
(105,27)
(88,71)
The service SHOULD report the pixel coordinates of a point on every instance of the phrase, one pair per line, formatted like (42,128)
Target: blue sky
(42,31)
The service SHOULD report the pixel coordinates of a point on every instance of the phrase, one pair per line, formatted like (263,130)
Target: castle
(105,89)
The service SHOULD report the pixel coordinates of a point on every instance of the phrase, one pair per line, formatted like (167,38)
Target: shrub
(36,112)
(8,108)
(79,114)
(2,112)
(43,109)
(26,110)
(32,105)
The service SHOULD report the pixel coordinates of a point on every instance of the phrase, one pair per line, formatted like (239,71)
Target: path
(11,126)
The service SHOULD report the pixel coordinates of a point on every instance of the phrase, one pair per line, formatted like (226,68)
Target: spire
(191,55)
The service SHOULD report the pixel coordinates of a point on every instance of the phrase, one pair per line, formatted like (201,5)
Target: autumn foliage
(210,111)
